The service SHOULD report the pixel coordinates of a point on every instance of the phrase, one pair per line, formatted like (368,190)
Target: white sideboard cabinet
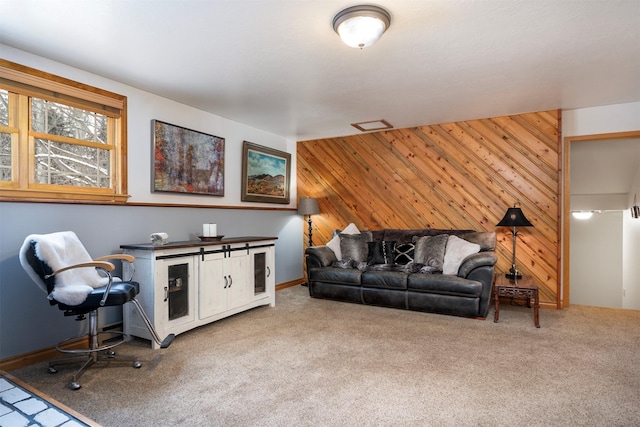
(184,285)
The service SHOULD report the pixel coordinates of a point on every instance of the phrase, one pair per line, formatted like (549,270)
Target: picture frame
(266,174)
(186,161)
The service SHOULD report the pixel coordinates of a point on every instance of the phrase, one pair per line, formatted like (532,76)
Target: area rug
(22,405)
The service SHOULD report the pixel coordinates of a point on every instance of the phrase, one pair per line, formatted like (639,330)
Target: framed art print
(187,161)
(265,174)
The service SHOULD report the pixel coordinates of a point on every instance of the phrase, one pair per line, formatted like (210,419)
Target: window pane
(63,120)
(69,164)
(5,157)
(4,107)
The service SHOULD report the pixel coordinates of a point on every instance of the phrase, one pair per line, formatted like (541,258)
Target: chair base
(94,353)
(88,360)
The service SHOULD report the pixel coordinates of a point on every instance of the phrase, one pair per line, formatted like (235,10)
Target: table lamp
(514,218)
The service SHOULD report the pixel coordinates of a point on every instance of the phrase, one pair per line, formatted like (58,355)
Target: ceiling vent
(372,125)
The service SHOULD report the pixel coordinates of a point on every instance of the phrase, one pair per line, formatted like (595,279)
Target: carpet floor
(311,362)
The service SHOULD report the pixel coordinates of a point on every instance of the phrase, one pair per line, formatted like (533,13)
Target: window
(60,140)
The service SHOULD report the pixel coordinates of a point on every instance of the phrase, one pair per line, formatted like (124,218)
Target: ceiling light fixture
(582,214)
(361,26)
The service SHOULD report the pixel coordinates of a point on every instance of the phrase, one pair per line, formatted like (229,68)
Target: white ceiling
(277,65)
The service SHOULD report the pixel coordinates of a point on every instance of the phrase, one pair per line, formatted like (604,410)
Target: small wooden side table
(522,288)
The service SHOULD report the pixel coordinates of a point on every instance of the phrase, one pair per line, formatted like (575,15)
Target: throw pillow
(355,246)
(381,252)
(334,243)
(343,264)
(404,253)
(430,250)
(457,250)
(486,239)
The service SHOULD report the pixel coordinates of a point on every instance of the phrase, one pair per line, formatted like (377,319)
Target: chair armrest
(320,256)
(103,265)
(123,257)
(480,259)
(130,259)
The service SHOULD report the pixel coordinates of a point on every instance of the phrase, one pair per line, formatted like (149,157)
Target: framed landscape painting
(186,161)
(265,174)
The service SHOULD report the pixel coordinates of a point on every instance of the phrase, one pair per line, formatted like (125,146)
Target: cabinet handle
(226,282)
(230,281)
(166,293)
(268,271)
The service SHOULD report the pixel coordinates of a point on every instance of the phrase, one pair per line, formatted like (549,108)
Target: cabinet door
(175,291)
(261,271)
(236,268)
(212,296)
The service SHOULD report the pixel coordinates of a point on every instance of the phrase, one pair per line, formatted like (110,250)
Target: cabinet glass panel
(178,291)
(259,271)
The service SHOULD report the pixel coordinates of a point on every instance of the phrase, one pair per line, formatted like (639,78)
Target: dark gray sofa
(418,285)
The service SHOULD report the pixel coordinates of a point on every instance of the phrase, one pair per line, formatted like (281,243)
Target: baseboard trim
(36,356)
(291,283)
(26,359)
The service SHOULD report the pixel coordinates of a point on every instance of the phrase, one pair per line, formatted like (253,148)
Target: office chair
(61,266)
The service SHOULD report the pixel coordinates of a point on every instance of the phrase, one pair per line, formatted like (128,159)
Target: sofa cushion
(385,279)
(486,239)
(355,246)
(457,250)
(344,276)
(381,252)
(430,250)
(444,284)
(404,253)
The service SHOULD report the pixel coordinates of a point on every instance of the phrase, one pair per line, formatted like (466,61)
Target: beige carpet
(310,362)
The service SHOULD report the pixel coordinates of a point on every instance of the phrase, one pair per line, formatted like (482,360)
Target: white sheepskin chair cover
(60,250)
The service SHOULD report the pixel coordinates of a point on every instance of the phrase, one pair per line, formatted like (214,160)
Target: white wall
(595,121)
(596,260)
(630,261)
(604,119)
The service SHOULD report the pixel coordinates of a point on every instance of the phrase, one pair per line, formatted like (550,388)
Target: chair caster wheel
(137,364)
(53,370)
(74,385)
(111,354)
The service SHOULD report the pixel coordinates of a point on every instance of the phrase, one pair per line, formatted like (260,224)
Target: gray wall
(29,323)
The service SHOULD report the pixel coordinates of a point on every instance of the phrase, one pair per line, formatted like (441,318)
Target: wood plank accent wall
(461,175)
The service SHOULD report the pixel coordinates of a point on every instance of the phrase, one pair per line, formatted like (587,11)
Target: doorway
(599,253)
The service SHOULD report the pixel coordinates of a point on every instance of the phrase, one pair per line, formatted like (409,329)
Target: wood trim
(291,283)
(566,218)
(141,204)
(50,82)
(26,359)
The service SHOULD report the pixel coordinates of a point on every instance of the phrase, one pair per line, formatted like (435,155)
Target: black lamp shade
(308,206)
(514,218)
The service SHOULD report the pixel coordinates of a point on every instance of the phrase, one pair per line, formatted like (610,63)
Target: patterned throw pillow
(381,252)
(404,253)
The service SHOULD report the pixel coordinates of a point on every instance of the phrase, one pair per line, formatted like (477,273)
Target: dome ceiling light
(361,26)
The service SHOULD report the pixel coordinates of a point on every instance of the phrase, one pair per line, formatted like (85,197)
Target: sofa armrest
(320,256)
(480,259)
